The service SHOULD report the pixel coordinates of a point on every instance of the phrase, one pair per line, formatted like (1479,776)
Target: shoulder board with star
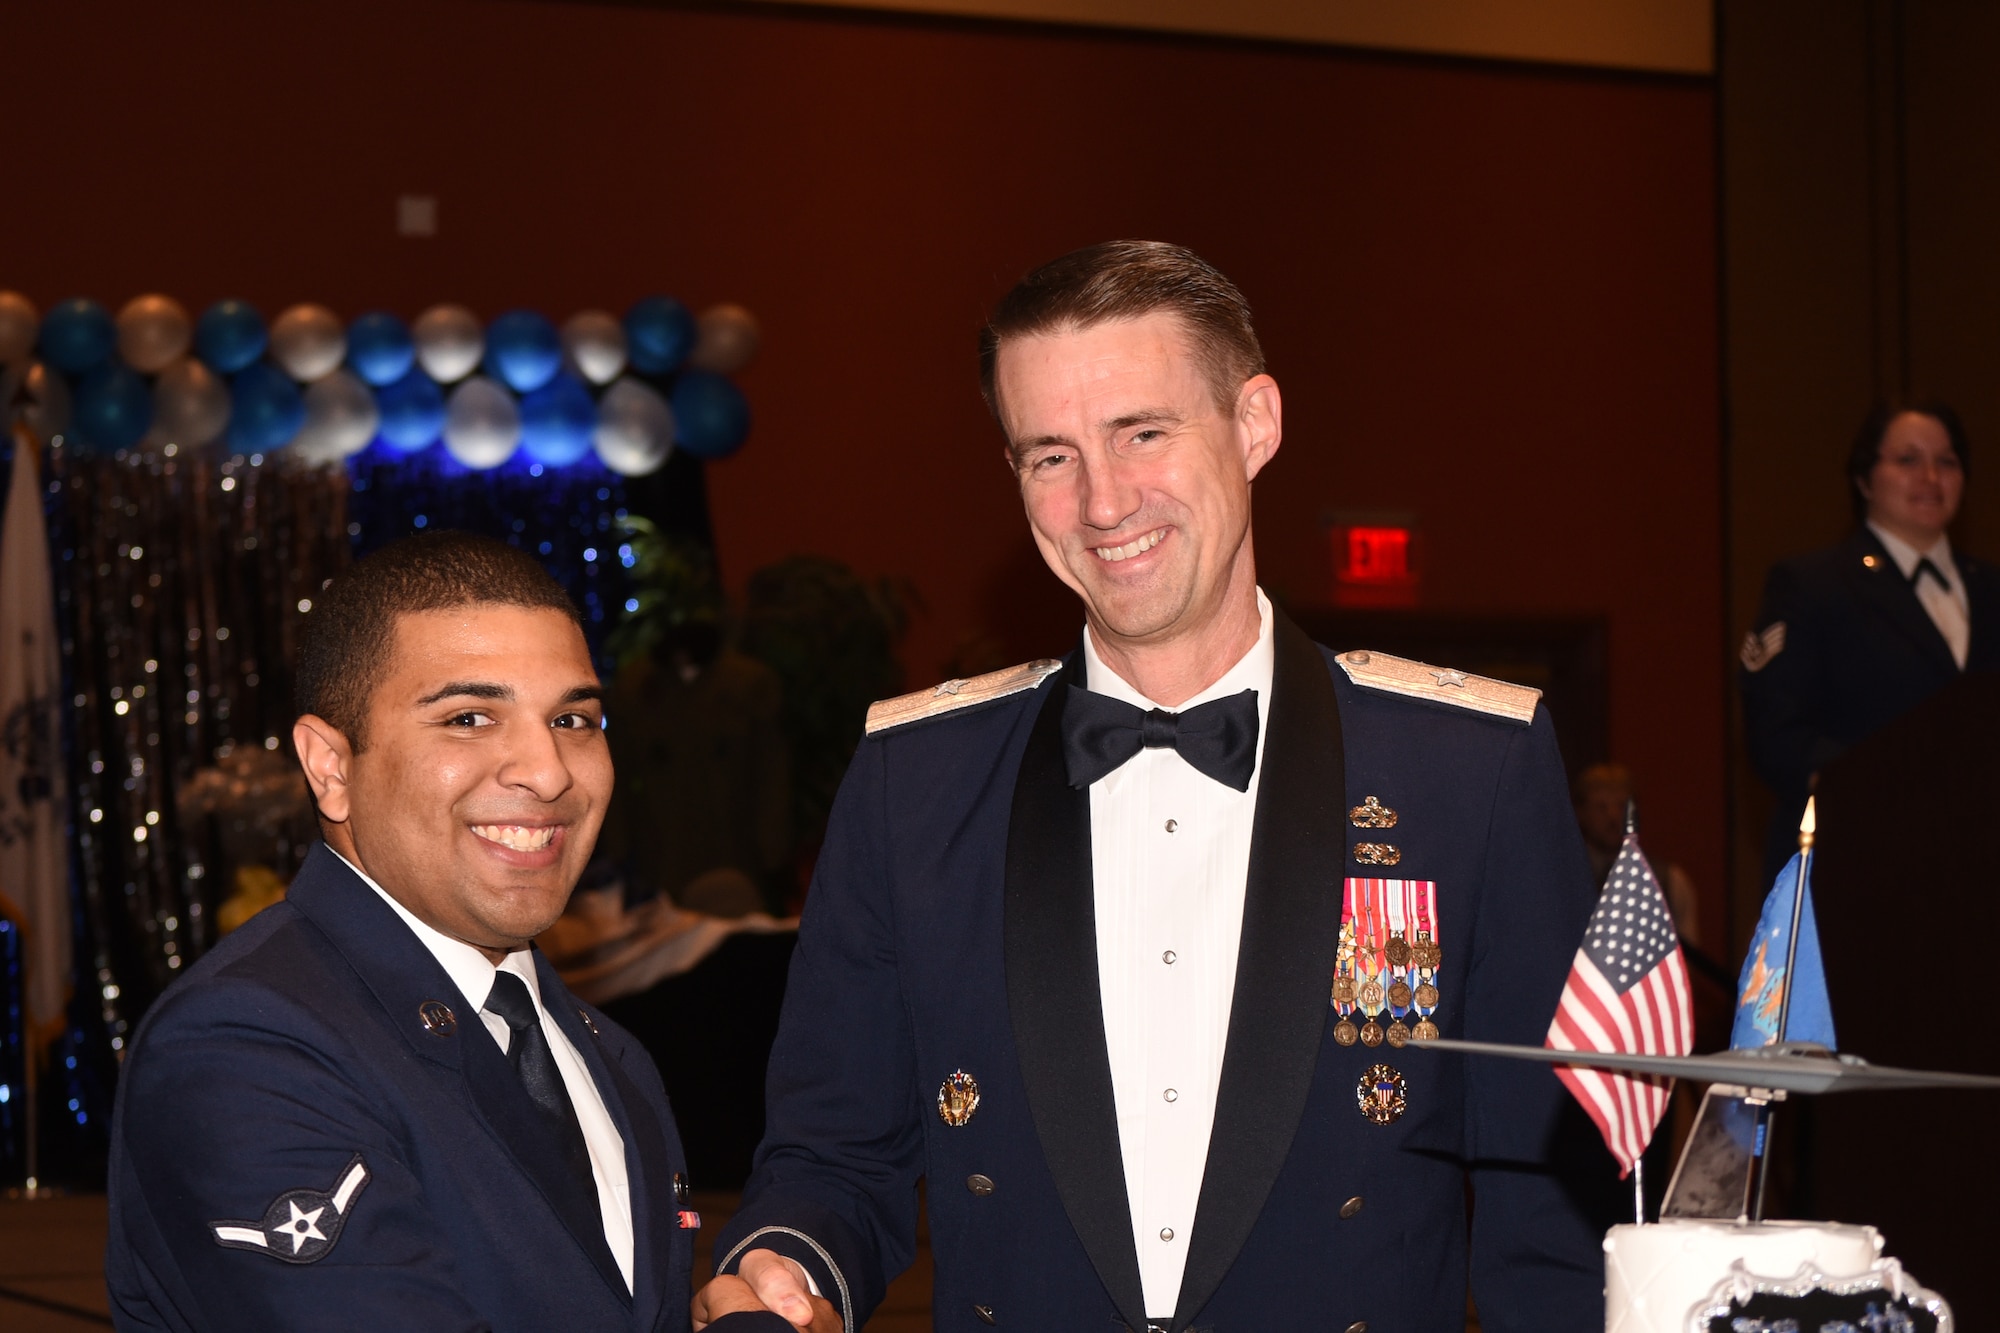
(1441,685)
(956,694)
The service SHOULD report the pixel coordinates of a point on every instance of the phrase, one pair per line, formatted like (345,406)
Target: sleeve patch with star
(300,1226)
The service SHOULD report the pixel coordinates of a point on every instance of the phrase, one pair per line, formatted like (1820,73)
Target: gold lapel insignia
(1377,853)
(958,1098)
(1371,813)
(437,1018)
(1383,1094)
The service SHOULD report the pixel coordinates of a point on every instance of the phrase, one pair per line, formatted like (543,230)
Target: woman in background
(1852,637)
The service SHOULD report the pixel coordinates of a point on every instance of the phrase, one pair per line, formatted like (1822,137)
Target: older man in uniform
(376,1106)
(1124,952)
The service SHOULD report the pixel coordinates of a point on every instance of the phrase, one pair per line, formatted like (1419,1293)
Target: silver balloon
(482,423)
(450,341)
(309,342)
(31,392)
(19,323)
(341,418)
(594,346)
(726,339)
(153,333)
(190,404)
(635,428)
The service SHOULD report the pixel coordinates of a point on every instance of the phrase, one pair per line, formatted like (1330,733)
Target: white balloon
(725,340)
(19,323)
(341,418)
(43,396)
(309,342)
(153,333)
(450,341)
(594,345)
(635,428)
(482,423)
(190,404)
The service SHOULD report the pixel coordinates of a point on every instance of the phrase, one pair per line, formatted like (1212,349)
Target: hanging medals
(1401,915)
(1428,957)
(1344,987)
(1371,960)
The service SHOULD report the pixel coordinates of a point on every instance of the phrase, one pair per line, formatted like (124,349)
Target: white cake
(1655,1275)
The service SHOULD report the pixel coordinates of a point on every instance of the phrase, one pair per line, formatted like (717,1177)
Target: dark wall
(1860,202)
(1488,292)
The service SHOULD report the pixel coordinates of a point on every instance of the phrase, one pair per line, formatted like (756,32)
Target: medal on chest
(1386,977)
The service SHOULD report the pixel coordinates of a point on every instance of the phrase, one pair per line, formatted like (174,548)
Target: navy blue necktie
(528,1051)
(1218,738)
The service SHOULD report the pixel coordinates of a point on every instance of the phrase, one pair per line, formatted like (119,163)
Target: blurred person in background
(1849,638)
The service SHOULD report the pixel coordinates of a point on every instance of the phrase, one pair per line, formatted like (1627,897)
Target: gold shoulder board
(956,694)
(1442,685)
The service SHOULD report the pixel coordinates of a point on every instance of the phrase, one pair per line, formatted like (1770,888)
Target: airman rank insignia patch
(300,1226)
(1759,647)
(953,695)
(1440,685)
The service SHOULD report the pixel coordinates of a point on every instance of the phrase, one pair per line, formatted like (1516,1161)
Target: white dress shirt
(1948,606)
(474,975)
(1170,858)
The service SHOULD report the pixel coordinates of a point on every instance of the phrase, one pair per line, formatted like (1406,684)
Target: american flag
(1627,993)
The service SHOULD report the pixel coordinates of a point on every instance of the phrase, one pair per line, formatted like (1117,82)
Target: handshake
(766,1281)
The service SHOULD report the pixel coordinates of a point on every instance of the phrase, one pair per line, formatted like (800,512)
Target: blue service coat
(950,927)
(1859,652)
(323,1034)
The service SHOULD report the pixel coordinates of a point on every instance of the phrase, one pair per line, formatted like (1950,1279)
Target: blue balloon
(379,348)
(78,336)
(114,406)
(229,336)
(412,411)
(265,409)
(557,420)
(523,350)
(659,334)
(711,416)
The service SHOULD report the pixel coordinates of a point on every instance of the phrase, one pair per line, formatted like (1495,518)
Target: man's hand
(766,1281)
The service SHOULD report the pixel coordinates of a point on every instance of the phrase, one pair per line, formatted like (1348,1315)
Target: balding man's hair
(1120,280)
(344,650)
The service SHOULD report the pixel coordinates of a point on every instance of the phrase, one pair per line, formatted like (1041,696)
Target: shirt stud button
(1173,824)
(1171,1095)
(1166,1233)
(1168,957)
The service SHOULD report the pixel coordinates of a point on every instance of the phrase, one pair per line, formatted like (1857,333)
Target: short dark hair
(1866,451)
(1127,280)
(345,645)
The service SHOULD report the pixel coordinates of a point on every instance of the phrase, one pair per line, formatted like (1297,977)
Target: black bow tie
(1924,566)
(1218,738)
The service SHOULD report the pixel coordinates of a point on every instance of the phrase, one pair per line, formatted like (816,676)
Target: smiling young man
(1075,927)
(375,1105)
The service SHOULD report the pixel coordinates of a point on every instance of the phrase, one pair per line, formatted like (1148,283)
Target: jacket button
(980,1185)
(1358,1326)
(985,1313)
(1351,1207)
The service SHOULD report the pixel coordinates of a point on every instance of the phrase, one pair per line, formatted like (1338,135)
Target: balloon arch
(630,391)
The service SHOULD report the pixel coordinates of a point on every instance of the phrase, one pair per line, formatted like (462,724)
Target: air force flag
(1760,994)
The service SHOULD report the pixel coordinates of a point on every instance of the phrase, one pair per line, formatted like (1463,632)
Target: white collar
(468,968)
(1906,555)
(1251,672)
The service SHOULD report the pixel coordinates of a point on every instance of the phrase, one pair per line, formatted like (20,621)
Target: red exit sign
(1374,563)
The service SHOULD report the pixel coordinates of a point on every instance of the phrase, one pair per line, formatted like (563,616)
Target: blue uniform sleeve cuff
(809,1254)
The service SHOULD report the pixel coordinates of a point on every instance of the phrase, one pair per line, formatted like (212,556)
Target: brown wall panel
(1487,291)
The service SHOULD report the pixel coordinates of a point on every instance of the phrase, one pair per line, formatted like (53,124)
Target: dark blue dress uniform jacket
(1859,652)
(297,1045)
(950,928)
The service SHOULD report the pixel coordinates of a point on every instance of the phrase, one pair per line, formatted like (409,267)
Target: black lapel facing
(1284,967)
(1882,586)
(1053,1000)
